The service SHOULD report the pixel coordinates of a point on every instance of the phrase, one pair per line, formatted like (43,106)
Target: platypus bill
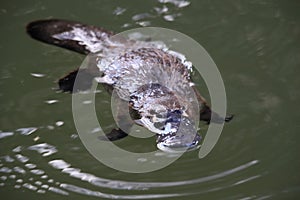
(154,81)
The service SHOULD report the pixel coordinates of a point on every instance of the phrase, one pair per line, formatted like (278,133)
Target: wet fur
(44,30)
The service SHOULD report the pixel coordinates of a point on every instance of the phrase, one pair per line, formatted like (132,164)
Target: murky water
(256,46)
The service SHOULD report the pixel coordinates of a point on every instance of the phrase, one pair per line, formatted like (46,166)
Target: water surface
(256,46)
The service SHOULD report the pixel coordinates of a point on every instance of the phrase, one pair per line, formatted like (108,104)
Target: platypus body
(153,79)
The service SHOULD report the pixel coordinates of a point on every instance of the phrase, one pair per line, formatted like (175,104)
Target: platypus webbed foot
(207,115)
(114,135)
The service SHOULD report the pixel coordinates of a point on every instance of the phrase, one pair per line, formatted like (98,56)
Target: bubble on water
(26,131)
(3,178)
(17,186)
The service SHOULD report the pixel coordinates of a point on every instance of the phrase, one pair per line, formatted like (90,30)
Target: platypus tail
(71,35)
(74,36)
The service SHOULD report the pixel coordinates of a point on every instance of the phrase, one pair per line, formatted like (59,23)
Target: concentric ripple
(18,170)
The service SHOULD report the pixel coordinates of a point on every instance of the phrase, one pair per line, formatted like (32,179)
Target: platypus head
(179,133)
(164,113)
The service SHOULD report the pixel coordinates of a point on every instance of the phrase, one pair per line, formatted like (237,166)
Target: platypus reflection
(154,80)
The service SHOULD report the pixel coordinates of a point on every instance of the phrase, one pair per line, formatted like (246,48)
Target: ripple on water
(37,171)
(26,131)
(21,158)
(30,165)
(88,192)
(5,170)
(5,134)
(8,159)
(29,186)
(51,101)
(58,191)
(19,170)
(119,11)
(42,183)
(177,3)
(37,75)
(59,164)
(128,185)
(44,149)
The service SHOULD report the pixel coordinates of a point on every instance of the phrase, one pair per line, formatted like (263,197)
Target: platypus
(155,81)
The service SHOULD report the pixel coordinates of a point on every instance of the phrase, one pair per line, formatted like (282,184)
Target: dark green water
(256,46)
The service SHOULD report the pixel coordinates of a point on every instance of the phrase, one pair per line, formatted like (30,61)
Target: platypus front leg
(123,120)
